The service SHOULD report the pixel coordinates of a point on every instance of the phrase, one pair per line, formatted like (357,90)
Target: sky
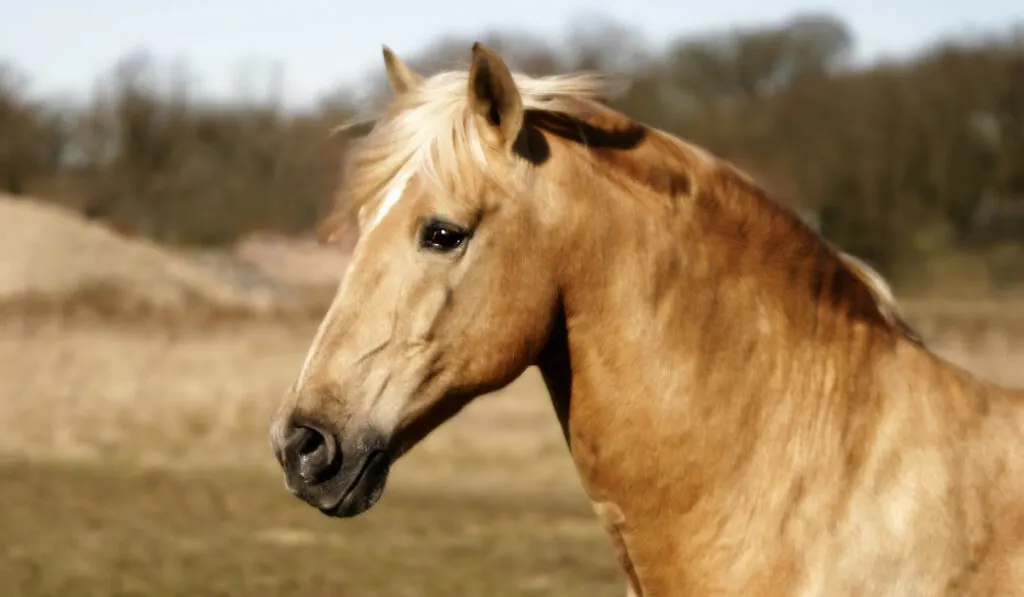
(62,46)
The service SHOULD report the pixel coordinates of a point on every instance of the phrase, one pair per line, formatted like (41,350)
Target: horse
(746,408)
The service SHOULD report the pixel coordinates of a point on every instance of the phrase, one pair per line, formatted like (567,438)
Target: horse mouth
(365,489)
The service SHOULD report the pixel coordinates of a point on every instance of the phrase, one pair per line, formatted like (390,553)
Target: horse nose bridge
(331,372)
(329,350)
(320,399)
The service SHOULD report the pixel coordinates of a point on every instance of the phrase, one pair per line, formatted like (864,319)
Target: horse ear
(493,94)
(400,76)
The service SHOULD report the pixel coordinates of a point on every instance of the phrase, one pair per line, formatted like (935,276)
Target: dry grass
(88,531)
(136,463)
(184,398)
(188,396)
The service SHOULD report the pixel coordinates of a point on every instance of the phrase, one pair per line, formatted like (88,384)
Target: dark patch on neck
(846,292)
(624,145)
(625,137)
(555,364)
(531,145)
(740,209)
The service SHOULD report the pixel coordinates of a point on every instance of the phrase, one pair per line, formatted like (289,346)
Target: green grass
(87,530)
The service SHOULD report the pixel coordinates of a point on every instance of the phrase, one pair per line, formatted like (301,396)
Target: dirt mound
(293,261)
(52,258)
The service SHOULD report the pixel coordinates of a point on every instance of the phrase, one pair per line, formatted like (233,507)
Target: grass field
(134,461)
(88,530)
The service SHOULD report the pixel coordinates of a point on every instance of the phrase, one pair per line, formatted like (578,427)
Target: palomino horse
(745,407)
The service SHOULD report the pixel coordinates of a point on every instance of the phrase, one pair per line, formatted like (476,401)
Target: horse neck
(716,367)
(684,325)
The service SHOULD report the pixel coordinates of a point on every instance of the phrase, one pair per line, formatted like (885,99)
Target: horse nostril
(314,453)
(308,441)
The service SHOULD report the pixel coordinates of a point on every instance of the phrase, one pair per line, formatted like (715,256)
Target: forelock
(430,132)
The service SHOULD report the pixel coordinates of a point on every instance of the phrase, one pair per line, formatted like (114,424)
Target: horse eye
(441,236)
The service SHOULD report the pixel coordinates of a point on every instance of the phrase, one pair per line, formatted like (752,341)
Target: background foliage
(913,165)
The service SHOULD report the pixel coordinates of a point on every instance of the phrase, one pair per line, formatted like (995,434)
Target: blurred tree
(30,135)
(897,162)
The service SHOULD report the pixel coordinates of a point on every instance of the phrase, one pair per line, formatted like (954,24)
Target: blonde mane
(882,294)
(430,130)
